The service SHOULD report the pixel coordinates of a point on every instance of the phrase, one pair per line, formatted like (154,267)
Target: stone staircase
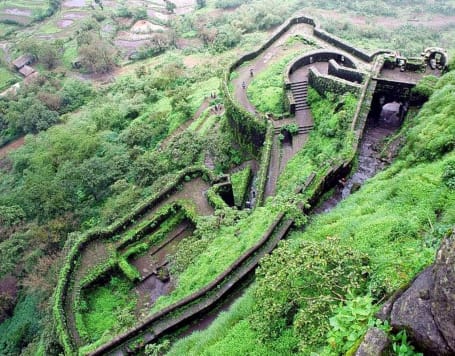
(300,93)
(302,129)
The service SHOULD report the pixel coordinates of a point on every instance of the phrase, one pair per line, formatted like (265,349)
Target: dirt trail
(204,106)
(271,54)
(13,145)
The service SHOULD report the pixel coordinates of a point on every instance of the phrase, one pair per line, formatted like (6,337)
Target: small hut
(26,71)
(22,61)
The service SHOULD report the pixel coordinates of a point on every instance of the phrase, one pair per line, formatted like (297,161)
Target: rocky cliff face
(426,310)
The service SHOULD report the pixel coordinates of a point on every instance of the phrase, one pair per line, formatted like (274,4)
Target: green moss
(108,308)
(240,182)
(330,140)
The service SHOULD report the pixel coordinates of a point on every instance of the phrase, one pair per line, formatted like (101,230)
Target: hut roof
(26,70)
(23,61)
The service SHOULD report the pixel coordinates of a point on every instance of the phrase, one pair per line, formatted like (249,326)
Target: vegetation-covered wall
(67,272)
(323,83)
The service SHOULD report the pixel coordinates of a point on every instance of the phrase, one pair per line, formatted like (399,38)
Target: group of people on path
(251,75)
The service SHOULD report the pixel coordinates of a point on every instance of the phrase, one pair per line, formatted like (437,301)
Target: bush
(129,270)
(22,328)
(349,324)
(240,183)
(316,278)
(448,175)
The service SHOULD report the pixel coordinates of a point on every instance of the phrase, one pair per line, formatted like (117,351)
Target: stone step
(301,130)
(296,84)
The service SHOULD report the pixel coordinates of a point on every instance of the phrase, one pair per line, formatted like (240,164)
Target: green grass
(202,90)
(207,125)
(223,247)
(389,219)
(7,78)
(108,307)
(196,124)
(70,53)
(266,90)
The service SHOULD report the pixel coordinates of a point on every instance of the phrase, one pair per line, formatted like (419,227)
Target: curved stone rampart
(249,129)
(67,272)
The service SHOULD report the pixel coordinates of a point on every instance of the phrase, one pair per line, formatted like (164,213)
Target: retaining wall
(324,83)
(251,134)
(345,73)
(264,166)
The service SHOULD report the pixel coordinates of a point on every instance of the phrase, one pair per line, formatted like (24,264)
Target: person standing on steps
(244,85)
(251,72)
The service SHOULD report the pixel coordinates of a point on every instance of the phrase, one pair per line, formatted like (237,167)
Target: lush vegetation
(386,233)
(39,105)
(108,307)
(330,140)
(216,243)
(240,182)
(92,152)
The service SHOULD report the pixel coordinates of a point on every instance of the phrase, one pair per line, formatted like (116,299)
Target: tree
(29,115)
(170,6)
(49,53)
(201,4)
(97,56)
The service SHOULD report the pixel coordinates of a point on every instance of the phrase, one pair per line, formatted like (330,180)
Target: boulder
(375,343)
(412,312)
(426,310)
(443,295)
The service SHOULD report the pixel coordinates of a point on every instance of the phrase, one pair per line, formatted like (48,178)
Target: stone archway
(436,57)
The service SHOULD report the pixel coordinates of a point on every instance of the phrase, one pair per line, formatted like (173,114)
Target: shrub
(129,270)
(448,175)
(316,278)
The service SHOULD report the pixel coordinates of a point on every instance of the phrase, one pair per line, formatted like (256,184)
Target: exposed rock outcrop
(375,343)
(443,297)
(426,310)
(412,312)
